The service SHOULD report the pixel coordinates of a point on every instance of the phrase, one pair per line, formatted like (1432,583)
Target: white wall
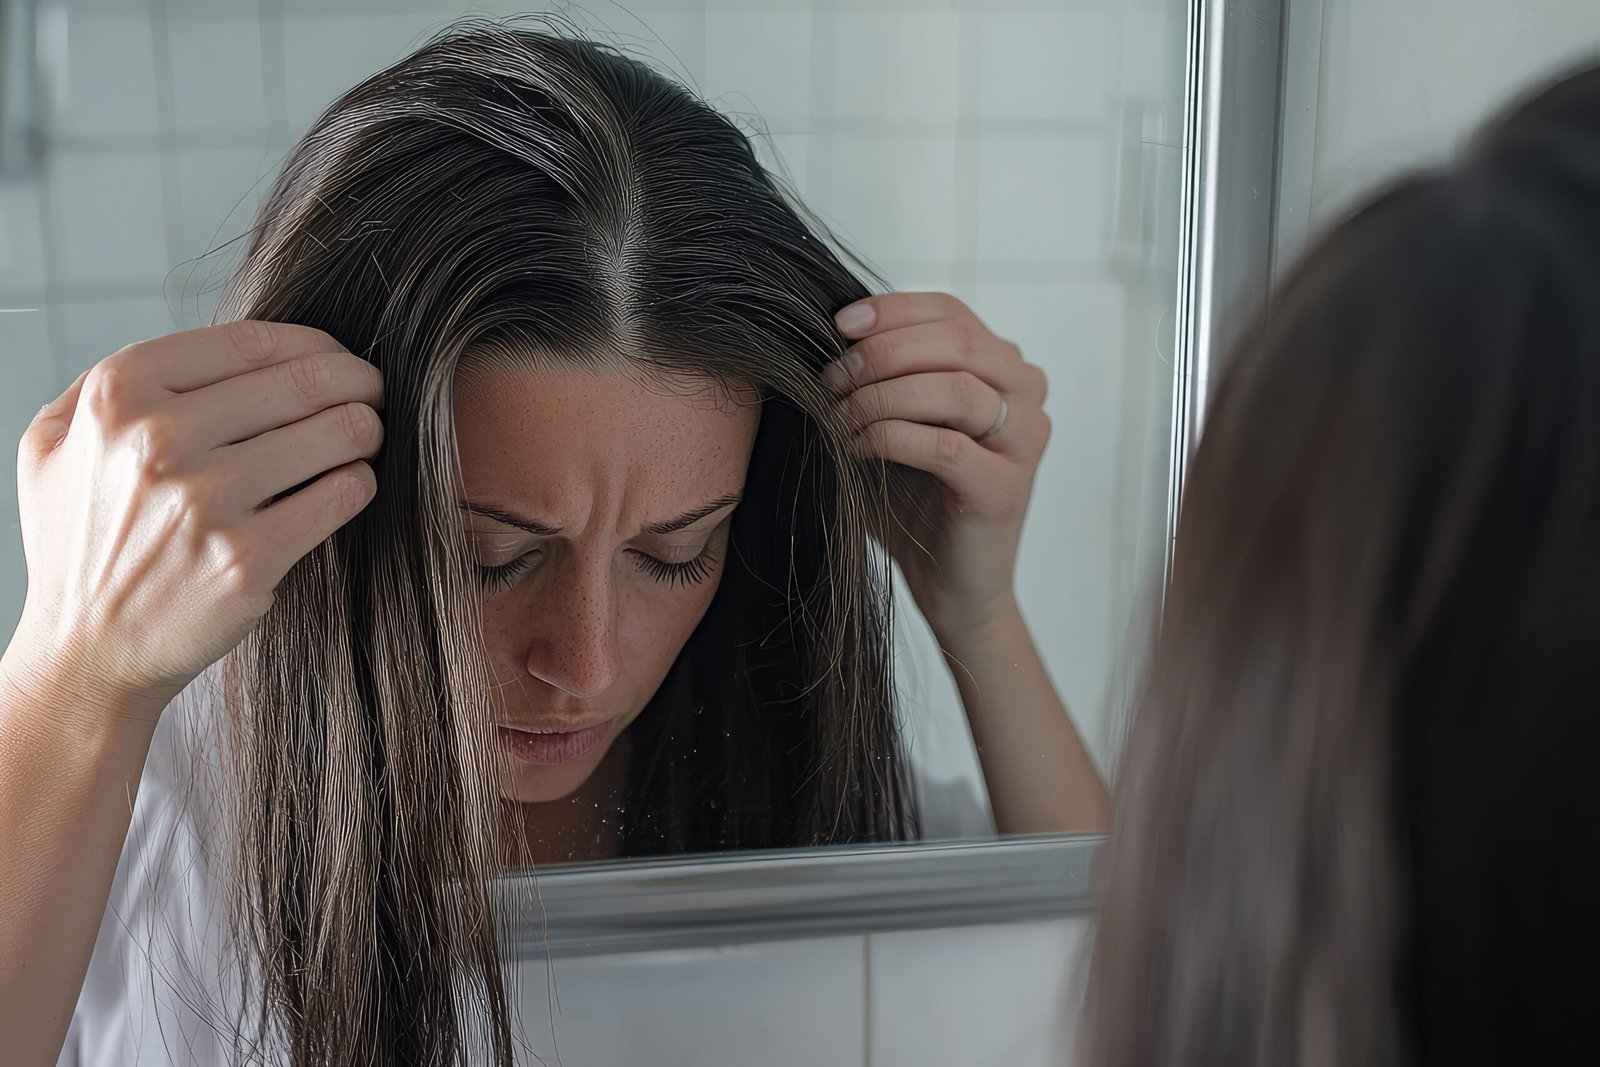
(1374,86)
(982,996)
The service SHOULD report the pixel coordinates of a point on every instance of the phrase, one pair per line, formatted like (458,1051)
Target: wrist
(47,692)
(993,624)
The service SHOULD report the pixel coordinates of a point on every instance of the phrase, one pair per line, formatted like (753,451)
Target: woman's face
(599,507)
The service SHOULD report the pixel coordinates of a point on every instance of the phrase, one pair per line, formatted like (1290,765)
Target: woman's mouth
(532,745)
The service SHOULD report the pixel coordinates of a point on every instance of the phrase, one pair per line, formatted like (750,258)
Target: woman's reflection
(639,430)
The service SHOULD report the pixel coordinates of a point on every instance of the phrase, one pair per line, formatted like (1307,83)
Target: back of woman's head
(1350,809)
(511,197)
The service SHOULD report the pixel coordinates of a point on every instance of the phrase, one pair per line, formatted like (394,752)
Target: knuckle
(1040,381)
(879,355)
(321,340)
(967,390)
(157,442)
(874,401)
(109,389)
(239,560)
(354,487)
(881,436)
(309,376)
(360,423)
(948,450)
(251,339)
(968,335)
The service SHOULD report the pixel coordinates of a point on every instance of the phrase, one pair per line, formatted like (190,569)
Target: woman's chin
(542,785)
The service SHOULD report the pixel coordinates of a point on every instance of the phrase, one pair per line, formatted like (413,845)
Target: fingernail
(856,318)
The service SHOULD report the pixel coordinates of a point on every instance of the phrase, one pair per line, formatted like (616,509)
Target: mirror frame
(1232,92)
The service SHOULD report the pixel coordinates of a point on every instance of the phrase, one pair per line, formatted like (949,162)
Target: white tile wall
(218,78)
(1402,84)
(109,83)
(1044,65)
(888,66)
(22,263)
(107,217)
(787,1004)
(1065,183)
(1151,37)
(761,62)
(220,190)
(982,996)
(894,196)
(324,55)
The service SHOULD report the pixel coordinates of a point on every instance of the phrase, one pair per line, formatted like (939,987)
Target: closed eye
(689,572)
(506,575)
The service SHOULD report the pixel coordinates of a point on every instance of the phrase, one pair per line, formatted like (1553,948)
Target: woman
(1353,821)
(596,582)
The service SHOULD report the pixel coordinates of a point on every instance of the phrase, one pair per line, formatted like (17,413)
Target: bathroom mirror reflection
(720,605)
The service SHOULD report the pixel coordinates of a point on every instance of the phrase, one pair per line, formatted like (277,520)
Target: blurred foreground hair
(1354,811)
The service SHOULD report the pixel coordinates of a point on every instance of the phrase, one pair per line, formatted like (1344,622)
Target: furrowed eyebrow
(689,518)
(544,529)
(533,526)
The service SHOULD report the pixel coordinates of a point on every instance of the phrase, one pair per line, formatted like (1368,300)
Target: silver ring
(999,421)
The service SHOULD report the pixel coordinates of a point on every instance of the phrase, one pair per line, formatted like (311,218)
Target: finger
(949,455)
(281,459)
(49,427)
(955,400)
(296,524)
(958,345)
(892,311)
(261,400)
(194,359)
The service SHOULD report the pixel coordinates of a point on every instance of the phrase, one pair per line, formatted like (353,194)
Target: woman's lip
(546,746)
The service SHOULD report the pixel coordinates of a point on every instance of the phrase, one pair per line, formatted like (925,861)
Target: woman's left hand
(929,386)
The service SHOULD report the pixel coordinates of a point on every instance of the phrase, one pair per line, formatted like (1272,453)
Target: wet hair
(512,197)
(1350,814)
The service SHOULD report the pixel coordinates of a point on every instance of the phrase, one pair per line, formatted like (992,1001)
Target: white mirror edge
(740,898)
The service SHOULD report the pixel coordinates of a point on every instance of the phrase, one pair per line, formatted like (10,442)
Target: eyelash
(689,572)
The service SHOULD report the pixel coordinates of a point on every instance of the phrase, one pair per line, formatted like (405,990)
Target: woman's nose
(574,646)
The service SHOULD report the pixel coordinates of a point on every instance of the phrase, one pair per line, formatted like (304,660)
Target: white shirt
(164,985)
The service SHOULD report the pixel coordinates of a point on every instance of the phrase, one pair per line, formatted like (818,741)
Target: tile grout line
(274,69)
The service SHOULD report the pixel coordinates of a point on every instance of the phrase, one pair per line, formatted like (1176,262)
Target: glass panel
(1022,156)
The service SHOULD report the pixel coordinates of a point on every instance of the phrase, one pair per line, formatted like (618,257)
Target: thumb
(49,428)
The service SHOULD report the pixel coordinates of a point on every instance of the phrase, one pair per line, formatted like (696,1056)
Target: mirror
(1024,158)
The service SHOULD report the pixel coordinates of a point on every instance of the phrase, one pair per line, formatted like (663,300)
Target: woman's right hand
(149,494)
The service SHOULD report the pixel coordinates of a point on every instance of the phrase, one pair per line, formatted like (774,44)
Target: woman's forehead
(560,433)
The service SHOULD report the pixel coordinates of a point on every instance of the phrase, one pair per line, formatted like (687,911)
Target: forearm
(1039,775)
(69,768)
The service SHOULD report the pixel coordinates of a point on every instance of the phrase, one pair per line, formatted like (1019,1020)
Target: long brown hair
(1352,814)
(504,194)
